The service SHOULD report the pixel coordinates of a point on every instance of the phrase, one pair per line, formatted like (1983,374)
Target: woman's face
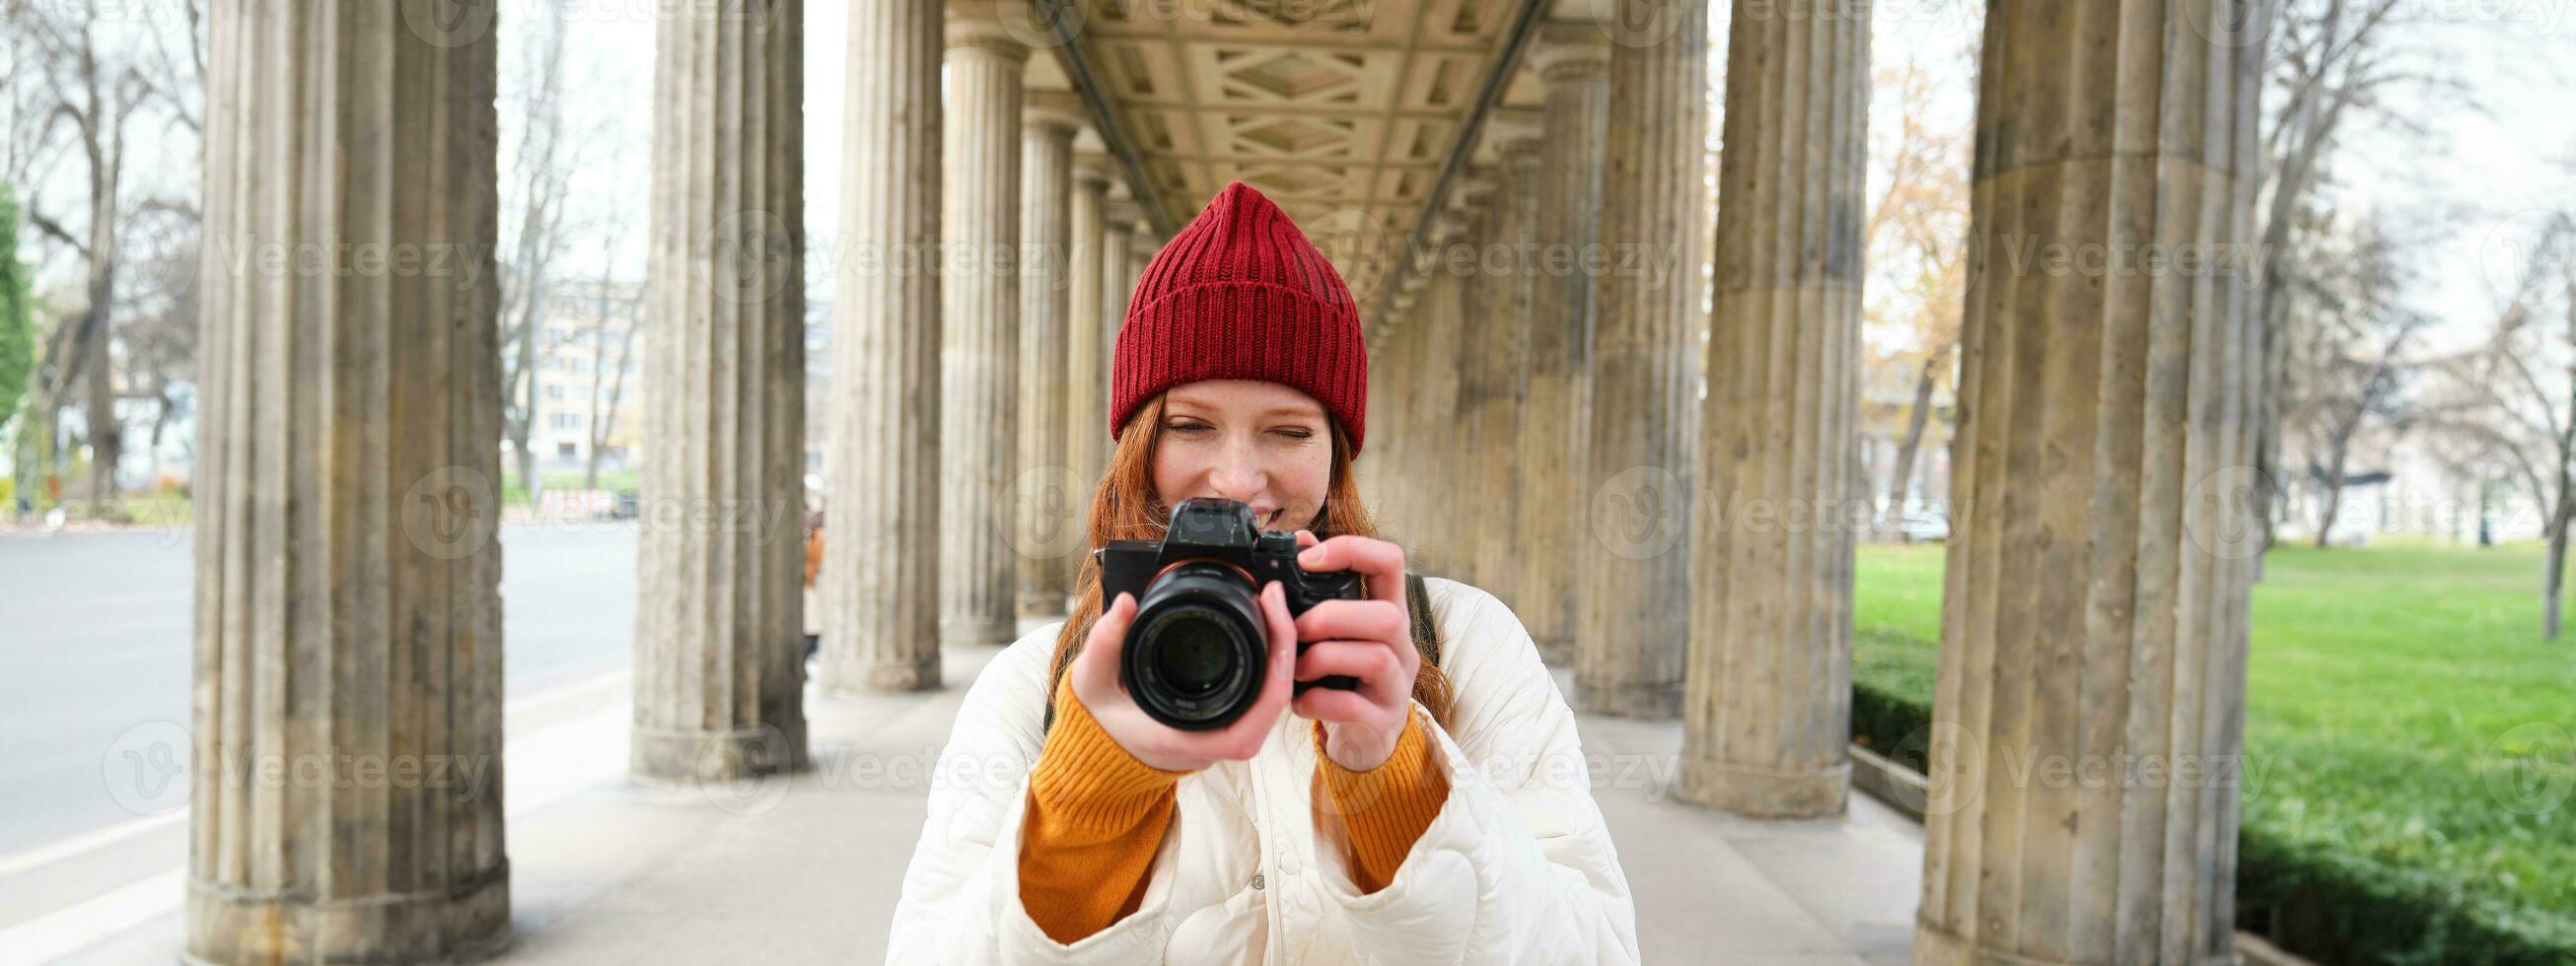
(1262,443)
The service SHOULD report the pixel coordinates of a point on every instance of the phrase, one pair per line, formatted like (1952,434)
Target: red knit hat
(1241,294)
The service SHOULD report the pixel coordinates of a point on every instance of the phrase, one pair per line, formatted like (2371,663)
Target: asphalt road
(94,654)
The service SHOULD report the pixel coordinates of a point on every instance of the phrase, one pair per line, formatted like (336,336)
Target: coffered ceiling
(1345,112)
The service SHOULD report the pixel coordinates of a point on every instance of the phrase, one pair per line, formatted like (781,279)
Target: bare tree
(2349,340)
(2523,412)
(80,91)
(546,150)
(613,321)
(2333,61)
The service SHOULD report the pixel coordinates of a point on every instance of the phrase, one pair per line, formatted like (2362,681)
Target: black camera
(1196,653)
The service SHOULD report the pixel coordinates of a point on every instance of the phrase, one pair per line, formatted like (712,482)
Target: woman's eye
(1179,426)
(1295,432)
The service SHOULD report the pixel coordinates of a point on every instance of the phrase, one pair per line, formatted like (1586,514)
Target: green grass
(2405,726)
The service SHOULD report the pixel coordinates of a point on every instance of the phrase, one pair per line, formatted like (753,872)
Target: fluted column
(1498,372)
(719,628)
(979,387)
(880,576)
(1086,396)
(348,613)
(2094,618)
(1574,62)
(1633,625)
(1444,314)
(1043,491)
(1118,265)
(1768,715)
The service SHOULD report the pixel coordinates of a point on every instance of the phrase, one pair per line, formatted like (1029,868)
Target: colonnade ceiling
(1345,112)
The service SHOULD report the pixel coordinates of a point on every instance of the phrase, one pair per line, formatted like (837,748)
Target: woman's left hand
(1370,639)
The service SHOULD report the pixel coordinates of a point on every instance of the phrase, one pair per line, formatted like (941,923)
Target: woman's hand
(1371,640)
(1096,682)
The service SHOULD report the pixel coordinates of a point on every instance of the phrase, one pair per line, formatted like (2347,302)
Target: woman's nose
(1236,476)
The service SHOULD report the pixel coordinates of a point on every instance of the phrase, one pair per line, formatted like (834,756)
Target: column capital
(1053,112)
(1093,172)
(1570,50)
(999,27)
(1123,214)
(1517,138)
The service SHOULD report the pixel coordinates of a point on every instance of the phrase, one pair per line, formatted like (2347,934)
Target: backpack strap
(1417,602)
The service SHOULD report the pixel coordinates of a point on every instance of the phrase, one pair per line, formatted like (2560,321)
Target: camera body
(1195,656)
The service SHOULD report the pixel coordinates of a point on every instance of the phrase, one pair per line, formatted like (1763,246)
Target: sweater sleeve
(1384,809)
(1096,816)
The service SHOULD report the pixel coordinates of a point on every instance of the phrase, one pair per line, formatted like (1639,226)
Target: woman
(1438,813)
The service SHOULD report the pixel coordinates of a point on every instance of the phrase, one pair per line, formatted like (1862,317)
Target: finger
(1307,538)
(1367,620)
(1379,562)
(1254,727)
(1381,675)
(1095,670)
(1338,707)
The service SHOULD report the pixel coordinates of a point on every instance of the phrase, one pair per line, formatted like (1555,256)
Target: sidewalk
(807,868)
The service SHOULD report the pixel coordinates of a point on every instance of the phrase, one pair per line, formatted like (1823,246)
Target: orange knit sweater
(1097,816)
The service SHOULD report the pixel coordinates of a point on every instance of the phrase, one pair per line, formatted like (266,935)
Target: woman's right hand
(1096,683)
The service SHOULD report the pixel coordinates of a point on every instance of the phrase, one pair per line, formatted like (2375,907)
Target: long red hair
(1124,507)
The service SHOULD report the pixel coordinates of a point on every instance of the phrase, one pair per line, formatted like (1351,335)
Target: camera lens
(1193,658)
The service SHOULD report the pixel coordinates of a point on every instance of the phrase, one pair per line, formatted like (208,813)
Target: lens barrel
(1193,658)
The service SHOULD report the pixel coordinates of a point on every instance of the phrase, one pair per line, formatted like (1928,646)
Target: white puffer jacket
(1517,868)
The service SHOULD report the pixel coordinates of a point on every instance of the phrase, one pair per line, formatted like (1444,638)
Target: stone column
(1768,715)
(1043,490)
(880,576)
(719,627)
(1118,264)
(1497,370)
(1436,441)
(1634,621)
(348,613)
(2094,617)
(979,388)
(1575,64)
(1086,397)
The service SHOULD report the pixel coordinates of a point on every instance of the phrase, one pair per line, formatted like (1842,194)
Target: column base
(465,923)
(1758,792)
(1627,699)
(978,631)
(1933,947)
(732,754)
(884,677)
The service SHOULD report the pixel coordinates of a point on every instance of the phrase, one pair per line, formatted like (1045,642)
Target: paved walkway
(807,868)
